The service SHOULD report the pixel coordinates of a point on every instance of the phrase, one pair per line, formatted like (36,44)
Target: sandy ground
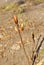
(11,51)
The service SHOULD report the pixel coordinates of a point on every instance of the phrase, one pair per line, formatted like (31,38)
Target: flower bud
(21,27)
(15,20)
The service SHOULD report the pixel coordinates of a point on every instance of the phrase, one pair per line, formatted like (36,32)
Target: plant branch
(23,44)
(36,52)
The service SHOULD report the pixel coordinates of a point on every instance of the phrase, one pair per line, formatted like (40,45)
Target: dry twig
(35,53)
(16,21)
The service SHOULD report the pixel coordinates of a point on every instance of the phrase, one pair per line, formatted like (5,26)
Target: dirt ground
(32,17)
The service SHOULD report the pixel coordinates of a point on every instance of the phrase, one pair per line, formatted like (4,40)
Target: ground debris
(14,47)
(41,62)
(3,33)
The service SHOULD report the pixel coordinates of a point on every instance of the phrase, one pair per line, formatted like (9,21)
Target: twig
(33,37)
(23,44)
(33,49)
(37,51)
(38,41)
(16,22)
(33,45)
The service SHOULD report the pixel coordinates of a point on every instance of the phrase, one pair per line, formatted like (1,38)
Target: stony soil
(32,16)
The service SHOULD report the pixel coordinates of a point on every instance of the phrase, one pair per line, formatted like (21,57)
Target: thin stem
(36,52)
(33,47)
(37,42)
(23,44)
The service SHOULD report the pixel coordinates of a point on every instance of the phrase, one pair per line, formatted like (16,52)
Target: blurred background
(35,1)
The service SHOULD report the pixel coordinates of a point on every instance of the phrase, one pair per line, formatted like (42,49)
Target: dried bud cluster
(16,22)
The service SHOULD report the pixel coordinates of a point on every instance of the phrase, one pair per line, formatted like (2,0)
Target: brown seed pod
(15,20)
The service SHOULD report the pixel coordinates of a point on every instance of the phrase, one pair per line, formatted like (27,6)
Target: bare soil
(32,16)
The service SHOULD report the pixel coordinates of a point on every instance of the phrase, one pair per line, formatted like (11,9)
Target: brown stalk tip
(15,20)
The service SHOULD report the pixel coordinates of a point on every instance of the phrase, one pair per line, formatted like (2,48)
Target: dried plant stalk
(38,41)
(23,44)
(16,22)
(35,54)
(35,49)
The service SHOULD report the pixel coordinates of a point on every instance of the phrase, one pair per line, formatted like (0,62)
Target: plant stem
(23,44)
(35,54)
